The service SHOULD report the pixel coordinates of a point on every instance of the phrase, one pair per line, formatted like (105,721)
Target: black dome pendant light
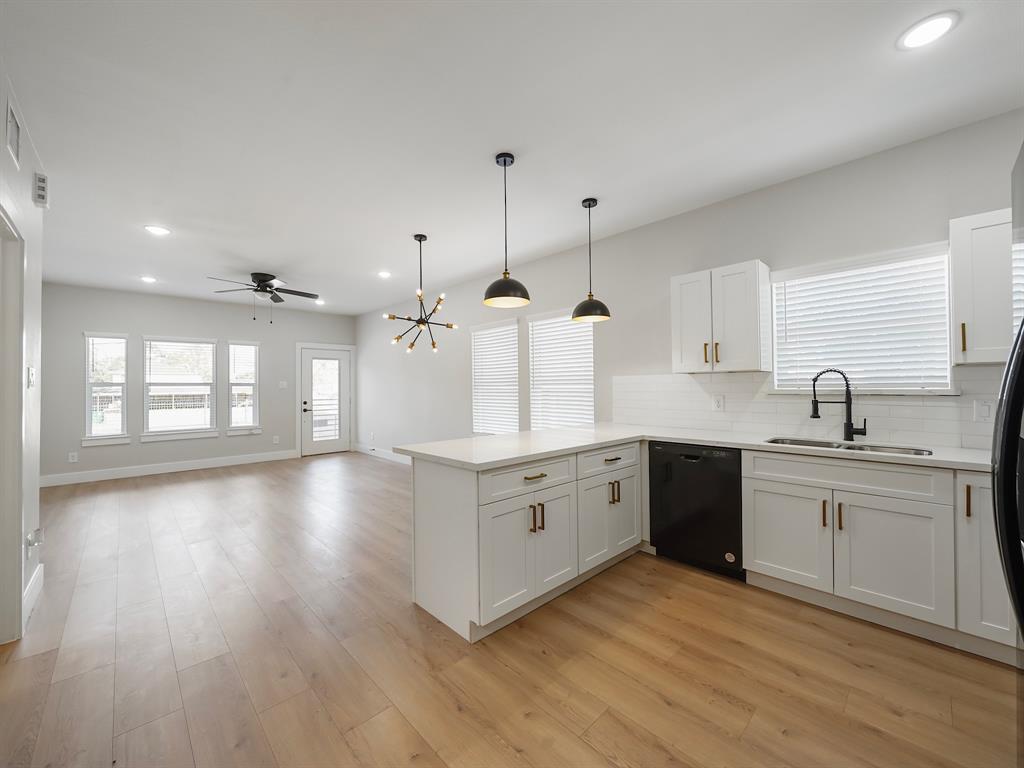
(506,292)
(590,310)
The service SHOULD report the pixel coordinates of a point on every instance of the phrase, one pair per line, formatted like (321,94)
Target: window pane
(171,362)
(106,411)
(496,379)
(243,405)
(1017,262)
(561,373)
(886,326)
(105,360)
(242,363)
(325,399)
(173,407)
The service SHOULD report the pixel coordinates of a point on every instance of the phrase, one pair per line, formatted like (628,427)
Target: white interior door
(326,396)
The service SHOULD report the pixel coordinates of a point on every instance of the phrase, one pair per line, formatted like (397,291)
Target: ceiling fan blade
(275,298)
(303,294)
(233,290)
(223,280)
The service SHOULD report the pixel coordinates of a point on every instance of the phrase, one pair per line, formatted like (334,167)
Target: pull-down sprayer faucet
(848,429)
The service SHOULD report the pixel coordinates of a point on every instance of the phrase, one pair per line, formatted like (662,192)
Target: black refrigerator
(1008,455)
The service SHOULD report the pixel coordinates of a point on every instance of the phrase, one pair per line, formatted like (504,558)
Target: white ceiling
(311,140)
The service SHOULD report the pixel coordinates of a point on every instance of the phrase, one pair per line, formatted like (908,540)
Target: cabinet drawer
(506,482)
(606,459)
(900,481)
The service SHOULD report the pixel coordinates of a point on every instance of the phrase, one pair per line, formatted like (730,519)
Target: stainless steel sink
(805,441)
(888,449)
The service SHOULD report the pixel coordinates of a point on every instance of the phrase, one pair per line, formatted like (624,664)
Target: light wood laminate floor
(260,615)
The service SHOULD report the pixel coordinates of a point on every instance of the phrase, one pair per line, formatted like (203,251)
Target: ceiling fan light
(591,310)
(262,295)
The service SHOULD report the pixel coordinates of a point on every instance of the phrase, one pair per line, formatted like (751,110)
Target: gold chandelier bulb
(396,339)
(433,345)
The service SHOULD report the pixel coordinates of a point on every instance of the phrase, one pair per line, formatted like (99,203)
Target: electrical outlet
(984,411)
(277,439)
(717,403)
(372,436)
(72,457)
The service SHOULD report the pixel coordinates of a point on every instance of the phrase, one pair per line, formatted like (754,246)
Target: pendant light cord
(504,180)
(590,263)
(421,266)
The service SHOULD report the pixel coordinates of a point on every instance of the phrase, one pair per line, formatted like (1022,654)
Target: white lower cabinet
(609,517)
(787,532)
(896,554)
(983,605)
(527,547)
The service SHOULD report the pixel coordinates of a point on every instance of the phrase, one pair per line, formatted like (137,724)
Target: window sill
(88,442)
(253,430)
(831,392)
(156,437)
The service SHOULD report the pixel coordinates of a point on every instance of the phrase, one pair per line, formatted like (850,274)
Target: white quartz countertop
(491,451)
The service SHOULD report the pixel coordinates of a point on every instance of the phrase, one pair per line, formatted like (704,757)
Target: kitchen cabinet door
(691,322)
(897,555)
(740,304)
(557,557)
(624,513)
(983,605)
(507,556)
(595,526)
(787,532)
(981,276)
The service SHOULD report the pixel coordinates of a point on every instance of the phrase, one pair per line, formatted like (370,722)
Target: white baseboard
(138,470)
(32,592)
(384,453)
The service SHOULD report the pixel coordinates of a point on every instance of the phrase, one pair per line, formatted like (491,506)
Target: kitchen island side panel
(446,575)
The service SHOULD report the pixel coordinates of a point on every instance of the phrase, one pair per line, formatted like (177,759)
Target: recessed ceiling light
(384,274)
(928,30)
(320,302)
(156,229)
(148,279)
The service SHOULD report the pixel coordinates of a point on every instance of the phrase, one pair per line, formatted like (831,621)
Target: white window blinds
(243,380)
(104,386)
(885,325)
(496,379)
(179,385)
(561,373)
(1017,267)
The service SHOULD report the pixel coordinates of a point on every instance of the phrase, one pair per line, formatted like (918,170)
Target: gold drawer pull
(540,476)
(705,352)
(533,528)
(967,499)
(716,353)
(616,458)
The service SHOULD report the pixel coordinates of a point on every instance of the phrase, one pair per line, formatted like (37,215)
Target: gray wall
(69,311)
(898,198)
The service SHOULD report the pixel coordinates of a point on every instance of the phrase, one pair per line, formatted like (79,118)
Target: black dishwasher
(696,506)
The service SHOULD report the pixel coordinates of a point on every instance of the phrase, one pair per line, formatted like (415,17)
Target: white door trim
(351,349)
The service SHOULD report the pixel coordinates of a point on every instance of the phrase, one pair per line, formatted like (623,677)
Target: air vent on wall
(40,190)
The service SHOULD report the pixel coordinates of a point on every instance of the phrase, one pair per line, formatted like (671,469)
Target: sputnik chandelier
(425,319)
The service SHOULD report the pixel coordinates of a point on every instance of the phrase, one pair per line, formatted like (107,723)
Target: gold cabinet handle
(839,509)
(967,499)
(541,526)
(618,492)
(705,352)
(533,509)
(963,337)
(611,490)
(615,458)
(716,353)
(539,476)
(824,511)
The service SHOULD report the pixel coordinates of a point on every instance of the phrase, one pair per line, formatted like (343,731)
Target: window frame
(178,434)
(123,436)
(541,317)
(513,323)
(256,427)
(859,262)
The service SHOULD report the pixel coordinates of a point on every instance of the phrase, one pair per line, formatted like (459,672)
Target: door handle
(967,499)
(705,352)
(824,509)
(716,353)
(533,509)
(306,410)
(839,509)
(541,526)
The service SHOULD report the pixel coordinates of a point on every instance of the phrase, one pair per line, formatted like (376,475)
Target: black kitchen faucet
(848,429)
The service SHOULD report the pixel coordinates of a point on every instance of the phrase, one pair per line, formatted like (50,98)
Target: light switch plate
(984,411)
(282,385)
(717,403)
(30,377)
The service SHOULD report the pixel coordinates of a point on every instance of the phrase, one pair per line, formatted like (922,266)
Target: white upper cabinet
(721,319)
(981,277)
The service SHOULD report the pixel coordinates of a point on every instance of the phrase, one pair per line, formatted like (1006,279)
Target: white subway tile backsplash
(683,400)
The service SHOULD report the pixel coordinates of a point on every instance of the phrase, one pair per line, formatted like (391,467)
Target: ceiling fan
(264,286)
